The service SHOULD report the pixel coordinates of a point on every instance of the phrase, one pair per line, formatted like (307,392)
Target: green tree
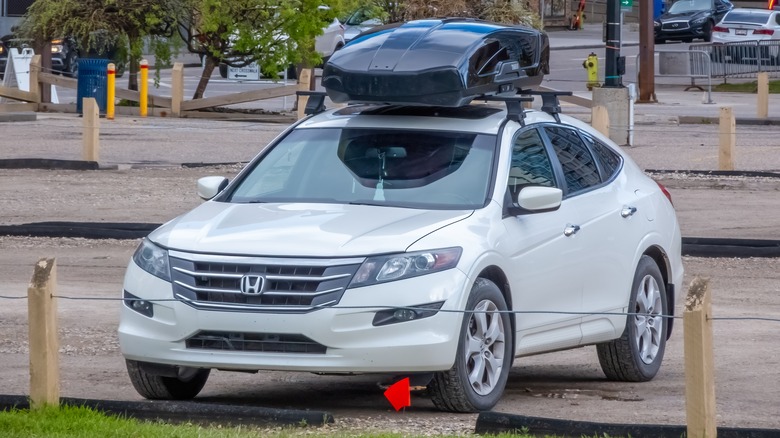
(98,26)
(273,33)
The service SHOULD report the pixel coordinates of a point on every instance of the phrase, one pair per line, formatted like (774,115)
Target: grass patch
(80,421)
(747,87)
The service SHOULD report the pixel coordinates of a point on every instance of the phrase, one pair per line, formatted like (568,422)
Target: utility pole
(612,70)
(646,53)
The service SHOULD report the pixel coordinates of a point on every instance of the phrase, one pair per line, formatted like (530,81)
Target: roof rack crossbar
(315,104)
(550,103)
(514,105)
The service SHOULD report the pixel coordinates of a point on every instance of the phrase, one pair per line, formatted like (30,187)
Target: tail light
(665,192)
(720,29)
(763,32)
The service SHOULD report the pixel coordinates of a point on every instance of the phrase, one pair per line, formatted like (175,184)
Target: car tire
(660,41)
(72,66)
(636,356)
(156,387)
(707,29)
(485,346)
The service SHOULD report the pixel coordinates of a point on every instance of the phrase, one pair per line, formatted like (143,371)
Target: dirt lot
(566,385)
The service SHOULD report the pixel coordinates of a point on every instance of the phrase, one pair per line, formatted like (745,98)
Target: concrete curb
(496,422)
(746,121)
(180,411)
(44,163)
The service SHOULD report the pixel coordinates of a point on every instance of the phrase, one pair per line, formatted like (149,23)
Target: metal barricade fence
(693,63)
(742,59)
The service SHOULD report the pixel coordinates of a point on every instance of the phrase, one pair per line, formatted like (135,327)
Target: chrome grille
(675,25)
(214,282)
(260,342)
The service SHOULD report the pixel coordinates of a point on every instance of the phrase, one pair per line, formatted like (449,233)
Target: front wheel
(636,356)
(708,31)
(156,387)
(477,379)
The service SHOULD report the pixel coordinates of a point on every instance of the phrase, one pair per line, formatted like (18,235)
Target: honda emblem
(251,284)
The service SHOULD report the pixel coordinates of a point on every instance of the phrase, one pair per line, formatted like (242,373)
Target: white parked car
(437,240)
(748,32)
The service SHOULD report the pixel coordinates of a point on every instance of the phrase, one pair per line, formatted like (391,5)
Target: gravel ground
(147,185)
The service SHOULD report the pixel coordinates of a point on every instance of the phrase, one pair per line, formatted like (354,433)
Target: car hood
(301,230)
(691,15)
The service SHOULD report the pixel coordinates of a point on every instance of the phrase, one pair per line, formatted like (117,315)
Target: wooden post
(304,84)
(699,363)
(762,111)
(91,149)
(177,88)
(599,119)
(728,139)
(44,345)
(35,68)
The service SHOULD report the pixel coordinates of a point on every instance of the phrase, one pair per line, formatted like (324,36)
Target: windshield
(400,168)
(684,6)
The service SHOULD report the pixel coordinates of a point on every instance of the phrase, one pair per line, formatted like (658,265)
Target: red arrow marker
(398,394)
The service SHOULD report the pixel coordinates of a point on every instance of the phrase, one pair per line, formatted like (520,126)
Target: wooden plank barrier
(43,340)
(699,362)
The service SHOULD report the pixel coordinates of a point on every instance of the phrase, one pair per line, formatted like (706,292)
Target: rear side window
(608,160)
(579,168)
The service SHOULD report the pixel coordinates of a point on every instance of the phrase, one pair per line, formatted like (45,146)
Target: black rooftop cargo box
(442,62)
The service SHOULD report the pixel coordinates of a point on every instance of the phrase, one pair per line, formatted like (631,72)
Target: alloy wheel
(648,320)
(484,347)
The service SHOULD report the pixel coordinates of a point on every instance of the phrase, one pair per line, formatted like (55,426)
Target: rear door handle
(570,230)
(627,211)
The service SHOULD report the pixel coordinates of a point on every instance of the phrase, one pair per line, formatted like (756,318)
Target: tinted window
(608,159)
(530,163)
(579,168)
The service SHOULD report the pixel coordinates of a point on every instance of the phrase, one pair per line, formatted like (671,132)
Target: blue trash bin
(92,82)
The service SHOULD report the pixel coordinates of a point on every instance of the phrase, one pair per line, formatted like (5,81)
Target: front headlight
(656,24)
(393,267)
(153,259)
(698,21)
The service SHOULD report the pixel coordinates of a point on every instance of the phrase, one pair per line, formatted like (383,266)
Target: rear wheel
(156,387)
(477,379)
(636,356)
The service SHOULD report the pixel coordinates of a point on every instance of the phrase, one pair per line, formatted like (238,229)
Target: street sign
(626,5)
(250,72)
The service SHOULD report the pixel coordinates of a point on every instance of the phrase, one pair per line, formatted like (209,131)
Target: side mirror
(535,199)
(210,186)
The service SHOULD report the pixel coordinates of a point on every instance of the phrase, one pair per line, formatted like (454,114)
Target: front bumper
(690,32)
(353,343)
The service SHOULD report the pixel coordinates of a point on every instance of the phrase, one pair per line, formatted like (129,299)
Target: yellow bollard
(144,87)
(111,92)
